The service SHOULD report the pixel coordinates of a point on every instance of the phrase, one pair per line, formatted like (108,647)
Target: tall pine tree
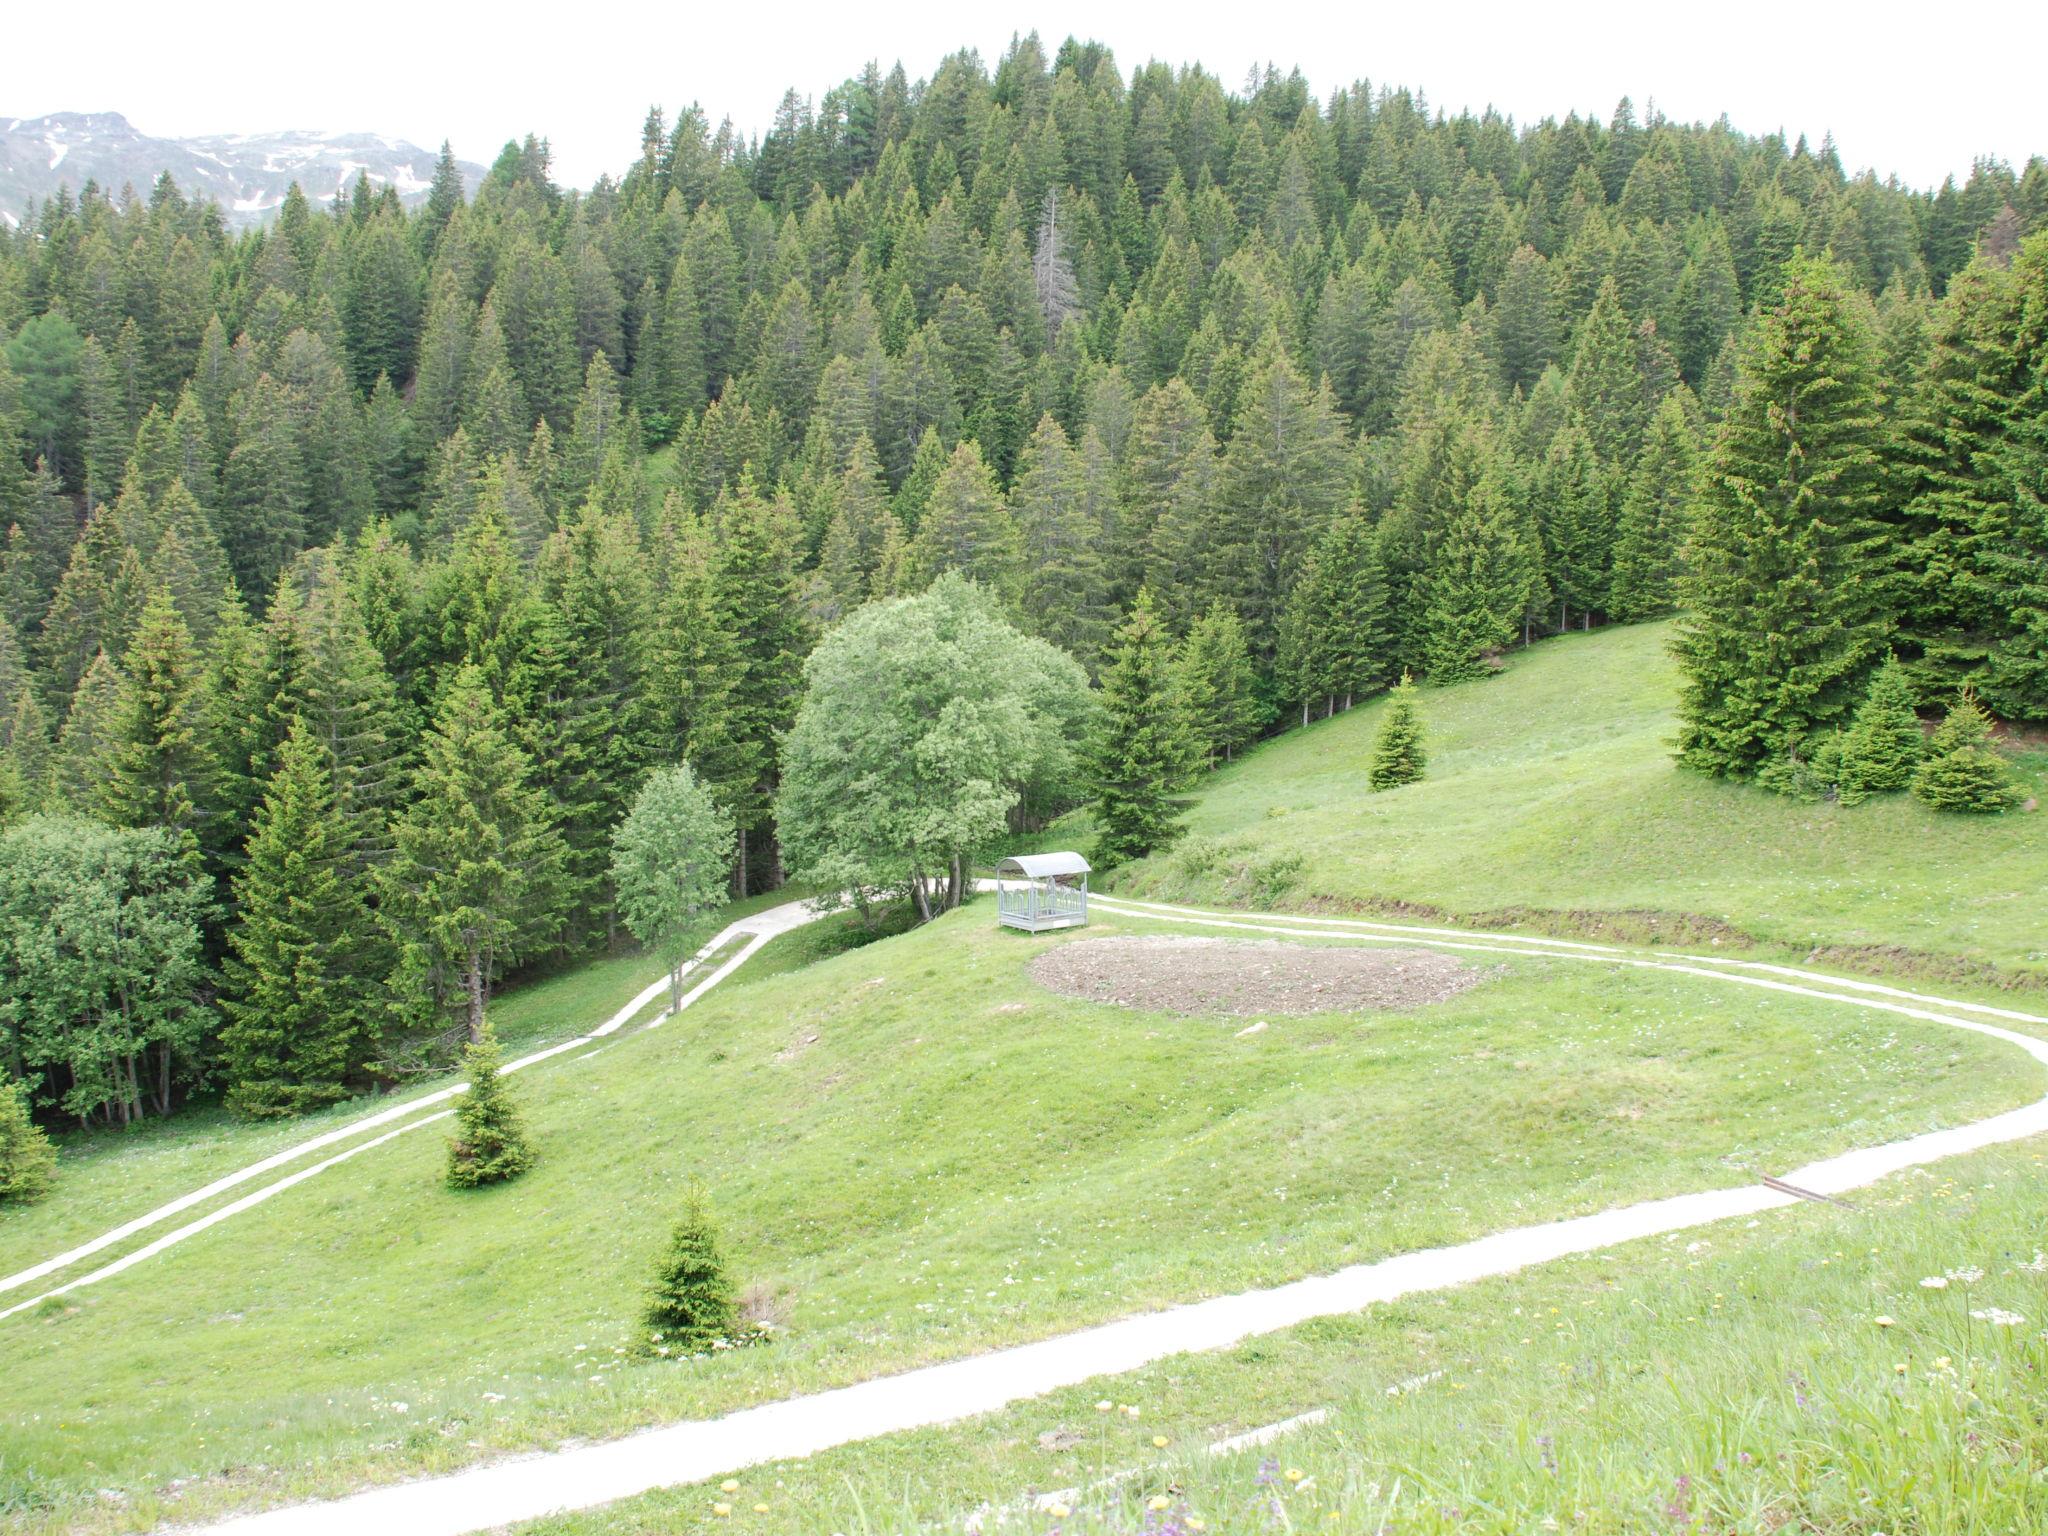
(304,979)
(1786,597)
(1143,750)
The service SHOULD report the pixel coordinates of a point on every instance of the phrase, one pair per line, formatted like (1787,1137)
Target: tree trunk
(473,984)
(957,891)
(739,868)
(1304,714)
(924,905)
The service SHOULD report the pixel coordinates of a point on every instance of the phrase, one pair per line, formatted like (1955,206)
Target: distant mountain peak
(246,173)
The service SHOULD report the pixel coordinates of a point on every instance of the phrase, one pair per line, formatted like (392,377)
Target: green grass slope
(1732,1381)
(915,1152)
(109,1176)
(1552,788)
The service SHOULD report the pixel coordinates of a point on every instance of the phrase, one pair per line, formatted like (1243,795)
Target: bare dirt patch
(1240,978)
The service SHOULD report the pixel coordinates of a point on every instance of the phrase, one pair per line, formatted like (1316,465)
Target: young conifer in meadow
(1397,754)
(1963,772)
(693,1305)
(1884,746)
(489,1145)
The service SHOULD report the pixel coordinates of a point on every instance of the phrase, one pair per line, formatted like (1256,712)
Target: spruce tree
(758,635)
(692,1305)
(490,1144)
(1655,517)
(1169,491)
(1478,585)
(86,738)
(1397,752)
(1065,593)
(474,853)
(303,984)
(28,1163)
(2016,565)
(1575,492)
(862,528)
(1336,639)
(160,769)
(29,754)
(1283,478)
(1786,598)
(1883,747)
(1219,684)
(1524,324)
(1962,770)
(266,493)
(1142,751)
(595,582)
(914,494)
(1606,384)
(967,526)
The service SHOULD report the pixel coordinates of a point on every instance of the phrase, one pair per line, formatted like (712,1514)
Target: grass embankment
(1553,804)
(915,1152)
(1731,1380)
(107,1177)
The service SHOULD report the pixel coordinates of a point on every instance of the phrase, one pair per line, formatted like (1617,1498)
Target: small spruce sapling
(692,1306)
(1883,748)
(1397,755)
(27,1160)
(489,1145)
(1962,771)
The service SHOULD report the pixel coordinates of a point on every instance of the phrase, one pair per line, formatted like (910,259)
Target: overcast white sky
(1918,91)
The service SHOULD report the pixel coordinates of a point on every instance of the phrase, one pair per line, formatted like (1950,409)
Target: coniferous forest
(360,569)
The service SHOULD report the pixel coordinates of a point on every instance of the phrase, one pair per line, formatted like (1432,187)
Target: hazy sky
(1900,92)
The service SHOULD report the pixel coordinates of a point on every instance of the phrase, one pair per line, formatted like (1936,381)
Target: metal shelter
(1038,891)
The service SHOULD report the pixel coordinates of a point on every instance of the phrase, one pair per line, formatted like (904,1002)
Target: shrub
(489,1145)
(1962,772)
(27,1160)
(693,1305)
(1812,773)
(1397,754)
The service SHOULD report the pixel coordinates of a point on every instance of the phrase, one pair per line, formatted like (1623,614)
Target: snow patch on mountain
(248,174)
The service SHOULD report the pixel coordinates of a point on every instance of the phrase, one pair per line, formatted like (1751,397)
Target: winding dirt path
(505,1492)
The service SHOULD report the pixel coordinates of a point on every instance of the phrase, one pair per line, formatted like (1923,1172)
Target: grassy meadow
(1553,803)
(915,1152)
(1739,1380)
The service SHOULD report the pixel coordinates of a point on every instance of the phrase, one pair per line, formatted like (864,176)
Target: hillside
(247,174)
(916,1152)
(1552,803)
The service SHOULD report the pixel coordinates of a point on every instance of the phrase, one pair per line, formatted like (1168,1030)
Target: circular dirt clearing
(1241,978)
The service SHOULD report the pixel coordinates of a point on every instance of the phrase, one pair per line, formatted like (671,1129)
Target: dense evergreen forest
(359,569)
